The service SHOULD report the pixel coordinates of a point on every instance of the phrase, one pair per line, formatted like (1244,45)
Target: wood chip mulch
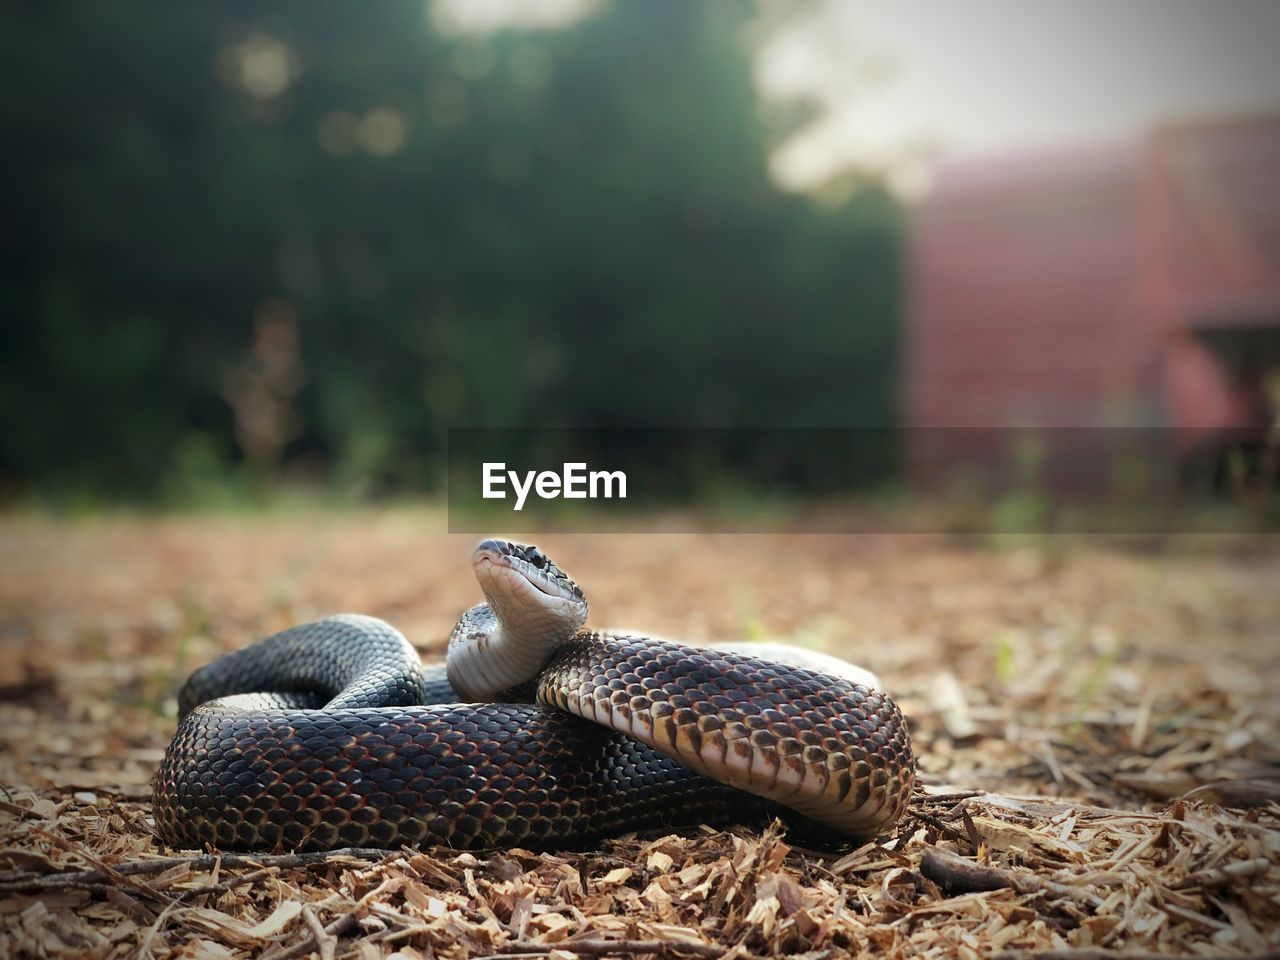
(1097,726)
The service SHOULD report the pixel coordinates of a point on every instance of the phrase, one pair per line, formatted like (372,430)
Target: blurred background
(252,250)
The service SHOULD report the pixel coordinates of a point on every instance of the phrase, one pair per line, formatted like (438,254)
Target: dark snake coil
(351,745)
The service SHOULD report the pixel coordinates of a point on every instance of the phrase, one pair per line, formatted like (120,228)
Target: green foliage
(558,227)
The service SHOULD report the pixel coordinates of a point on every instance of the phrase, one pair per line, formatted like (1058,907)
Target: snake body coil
(324,736)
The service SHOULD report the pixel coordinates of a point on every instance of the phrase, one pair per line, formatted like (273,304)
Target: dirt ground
(1097,731)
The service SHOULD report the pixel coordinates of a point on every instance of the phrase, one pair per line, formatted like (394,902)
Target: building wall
(1092,289)
(1209,266)
(1023,296)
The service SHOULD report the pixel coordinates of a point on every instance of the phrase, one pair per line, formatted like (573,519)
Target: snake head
(523,584)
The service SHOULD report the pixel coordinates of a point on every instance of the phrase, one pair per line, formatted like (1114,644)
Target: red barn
(1134,287)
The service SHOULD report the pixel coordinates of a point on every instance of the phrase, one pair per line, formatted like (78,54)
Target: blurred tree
(547,227)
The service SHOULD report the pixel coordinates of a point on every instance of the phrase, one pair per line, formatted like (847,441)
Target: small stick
(1220,876)
(204,862)
(229,884)
(109,873)
(129,906)
(335,929)
(943,828)
(958,875)
(324,941)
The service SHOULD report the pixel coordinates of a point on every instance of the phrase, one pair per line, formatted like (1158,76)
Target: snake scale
(332,734)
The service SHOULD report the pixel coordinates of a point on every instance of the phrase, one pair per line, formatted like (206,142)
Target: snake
(536,732)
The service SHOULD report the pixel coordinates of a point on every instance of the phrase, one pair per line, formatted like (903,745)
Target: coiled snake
(332,734)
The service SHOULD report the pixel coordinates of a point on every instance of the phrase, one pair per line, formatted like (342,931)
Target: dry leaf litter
(1096,726)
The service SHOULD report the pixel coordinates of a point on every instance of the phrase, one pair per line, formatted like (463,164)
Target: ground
(1095,724)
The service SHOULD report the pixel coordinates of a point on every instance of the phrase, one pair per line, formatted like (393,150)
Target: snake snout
(528,566)
(491,550)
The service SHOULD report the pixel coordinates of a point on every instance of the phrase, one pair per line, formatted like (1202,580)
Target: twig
(390,935)
(129,906)
(109,873)
(313,940)
(335,929)
(1219,876)
(950,797)
(945,829)
(144,948)
(79,878)
(230,883)
(324,940)
(958,875)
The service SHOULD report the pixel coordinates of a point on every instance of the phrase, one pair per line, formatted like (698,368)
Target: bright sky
(903,81)
(996,76)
